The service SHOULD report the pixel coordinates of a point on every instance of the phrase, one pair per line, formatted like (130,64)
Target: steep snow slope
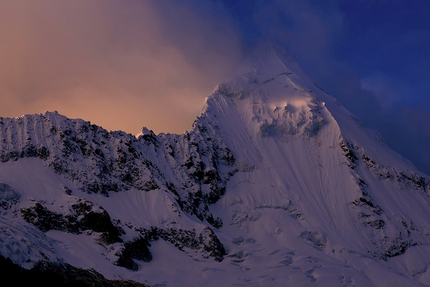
(275,185)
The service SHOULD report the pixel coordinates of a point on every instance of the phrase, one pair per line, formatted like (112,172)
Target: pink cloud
(122,65)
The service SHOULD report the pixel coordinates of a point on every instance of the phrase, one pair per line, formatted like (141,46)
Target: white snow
(289,214)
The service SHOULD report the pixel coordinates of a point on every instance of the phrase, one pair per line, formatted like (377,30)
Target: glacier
(275,184)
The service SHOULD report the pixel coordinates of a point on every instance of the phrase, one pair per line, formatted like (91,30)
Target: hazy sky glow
(128,64)
(120,64)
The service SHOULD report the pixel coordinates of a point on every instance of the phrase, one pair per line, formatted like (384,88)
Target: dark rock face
(348,152)
(207,243)
(82,218)
(8,196)
(136,249)
(49,274)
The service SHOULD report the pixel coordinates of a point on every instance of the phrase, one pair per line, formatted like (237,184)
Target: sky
(133,63)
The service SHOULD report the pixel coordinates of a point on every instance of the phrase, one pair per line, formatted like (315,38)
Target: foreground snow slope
(276,185)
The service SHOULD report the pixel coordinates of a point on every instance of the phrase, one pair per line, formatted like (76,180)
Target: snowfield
(276,184)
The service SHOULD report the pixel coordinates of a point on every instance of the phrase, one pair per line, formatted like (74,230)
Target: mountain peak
(271,95)
(267,61)
(273,55)
(269,71)
(276,184)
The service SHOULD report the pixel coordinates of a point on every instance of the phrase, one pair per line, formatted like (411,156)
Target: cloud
(120,64)
(387,90)
(407,131)
(128,64)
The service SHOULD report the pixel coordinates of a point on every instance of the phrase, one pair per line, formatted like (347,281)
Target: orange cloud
(119,64)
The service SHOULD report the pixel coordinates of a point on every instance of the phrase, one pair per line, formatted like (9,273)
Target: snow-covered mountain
(276,184)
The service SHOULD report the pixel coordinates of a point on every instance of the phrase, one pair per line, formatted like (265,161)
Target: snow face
(276,184)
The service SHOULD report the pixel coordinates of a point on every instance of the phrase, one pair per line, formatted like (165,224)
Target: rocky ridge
(276,183)
(193,168)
